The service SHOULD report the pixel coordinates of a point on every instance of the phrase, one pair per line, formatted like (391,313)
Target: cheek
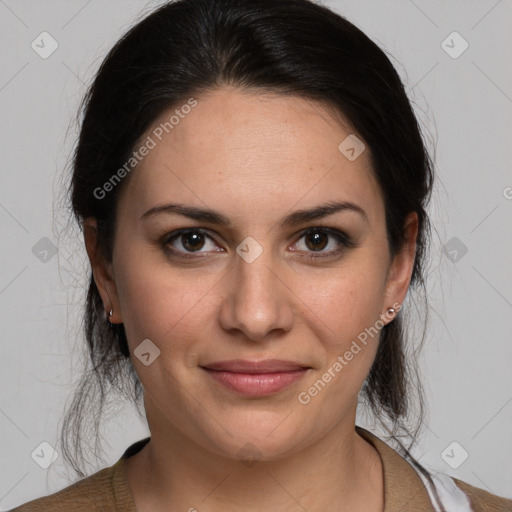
(350,300)
(347,313)
(162,303)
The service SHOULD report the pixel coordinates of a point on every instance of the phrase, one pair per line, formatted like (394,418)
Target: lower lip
(256,384)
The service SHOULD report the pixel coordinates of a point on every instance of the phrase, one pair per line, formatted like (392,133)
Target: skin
(254,157)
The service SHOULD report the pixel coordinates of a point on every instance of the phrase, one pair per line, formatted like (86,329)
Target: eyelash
(345,242)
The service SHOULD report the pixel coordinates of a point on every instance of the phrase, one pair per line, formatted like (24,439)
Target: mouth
(256,378)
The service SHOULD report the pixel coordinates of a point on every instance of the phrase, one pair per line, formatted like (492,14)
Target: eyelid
(169,237)
(344,240)
(341,237)
(334,232)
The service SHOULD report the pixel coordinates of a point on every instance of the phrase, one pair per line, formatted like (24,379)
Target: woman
(252,186)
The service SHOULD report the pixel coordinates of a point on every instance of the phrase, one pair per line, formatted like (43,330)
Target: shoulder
(104,491)
(483,501)
(92,493)
(404,484)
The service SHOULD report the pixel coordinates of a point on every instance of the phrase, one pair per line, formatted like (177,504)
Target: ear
(400,271)
(102,271)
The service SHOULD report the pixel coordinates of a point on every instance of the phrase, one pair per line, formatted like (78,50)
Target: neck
(339,472)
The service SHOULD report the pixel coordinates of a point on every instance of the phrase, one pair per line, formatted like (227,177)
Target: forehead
(246,153)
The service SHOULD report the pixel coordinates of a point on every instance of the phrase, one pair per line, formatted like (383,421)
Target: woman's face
(254,288)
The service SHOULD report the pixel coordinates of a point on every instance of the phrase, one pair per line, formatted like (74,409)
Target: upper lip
(265,366)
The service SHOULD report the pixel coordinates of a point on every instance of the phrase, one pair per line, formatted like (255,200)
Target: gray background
(464,103)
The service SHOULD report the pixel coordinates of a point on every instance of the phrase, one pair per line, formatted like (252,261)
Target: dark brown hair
(293,47)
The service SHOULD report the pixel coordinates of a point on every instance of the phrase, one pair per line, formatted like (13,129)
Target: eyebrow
(297,217)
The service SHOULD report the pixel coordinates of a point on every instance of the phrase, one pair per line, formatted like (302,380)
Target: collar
(403,488)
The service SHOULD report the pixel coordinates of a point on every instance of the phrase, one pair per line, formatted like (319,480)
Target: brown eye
(192,241)
(187,241)
(317,241)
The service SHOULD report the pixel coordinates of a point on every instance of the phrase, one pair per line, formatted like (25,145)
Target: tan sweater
(107,490)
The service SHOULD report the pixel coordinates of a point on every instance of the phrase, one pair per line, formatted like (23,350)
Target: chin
(258,436)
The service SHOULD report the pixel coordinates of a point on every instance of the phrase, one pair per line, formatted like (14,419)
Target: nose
(258,303)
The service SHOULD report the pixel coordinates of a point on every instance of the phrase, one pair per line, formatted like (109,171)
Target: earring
(390,311)
(110,316)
